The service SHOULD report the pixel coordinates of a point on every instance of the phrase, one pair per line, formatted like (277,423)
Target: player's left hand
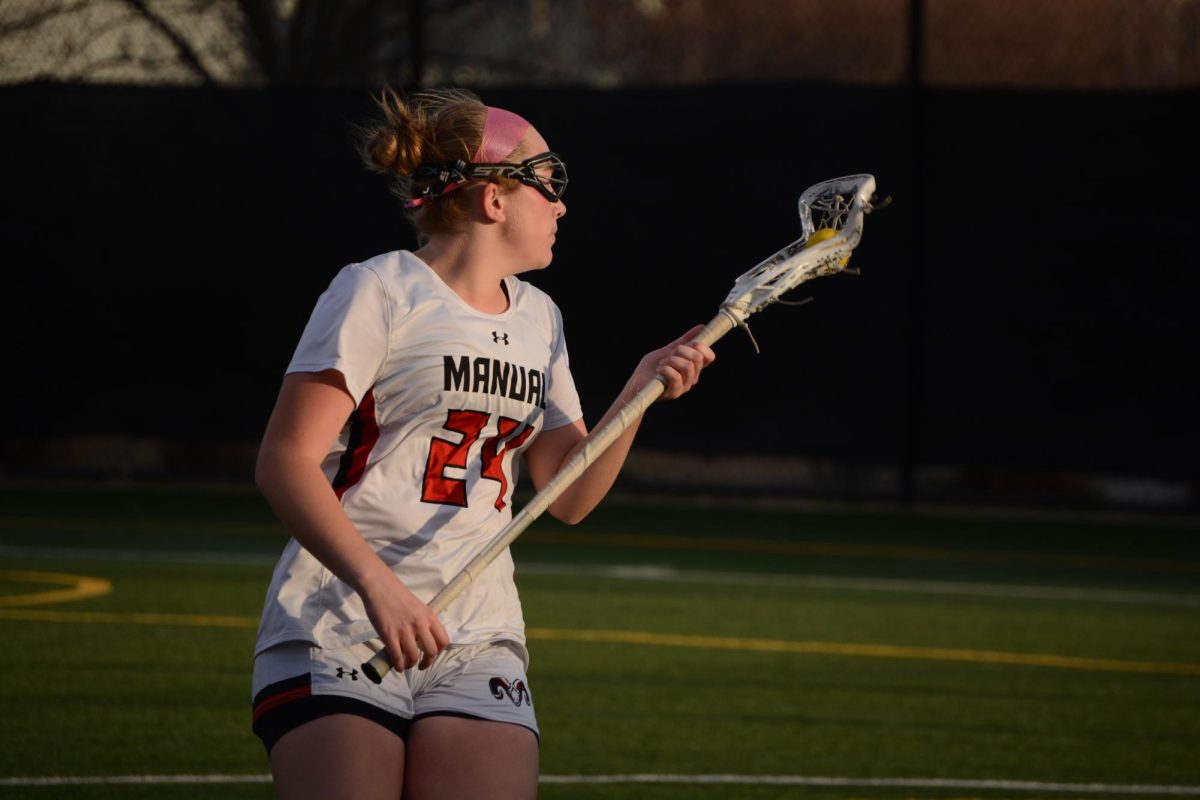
(679,363)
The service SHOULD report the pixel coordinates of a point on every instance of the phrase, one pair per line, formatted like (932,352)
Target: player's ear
(492,203)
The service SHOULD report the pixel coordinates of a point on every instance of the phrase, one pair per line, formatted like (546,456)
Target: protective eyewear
(545,172)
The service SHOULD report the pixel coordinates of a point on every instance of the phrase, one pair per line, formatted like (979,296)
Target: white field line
(666,574)
(743,780)
(905,783)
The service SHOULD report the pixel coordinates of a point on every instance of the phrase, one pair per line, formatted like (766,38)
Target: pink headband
(502,132)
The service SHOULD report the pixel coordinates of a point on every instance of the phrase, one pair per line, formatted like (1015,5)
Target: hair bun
(395,143)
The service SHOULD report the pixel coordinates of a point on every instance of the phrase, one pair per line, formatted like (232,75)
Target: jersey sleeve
(562,398)
(347,331)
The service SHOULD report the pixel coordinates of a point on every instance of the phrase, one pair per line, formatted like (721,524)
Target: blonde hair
(431,127)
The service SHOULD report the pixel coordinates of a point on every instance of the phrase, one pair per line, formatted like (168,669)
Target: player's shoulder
(372,270)
(525,293)
(387,267)
(530,299)
(379,281)
(395,272)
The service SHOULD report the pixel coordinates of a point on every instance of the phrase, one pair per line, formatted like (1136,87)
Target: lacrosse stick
(831,219)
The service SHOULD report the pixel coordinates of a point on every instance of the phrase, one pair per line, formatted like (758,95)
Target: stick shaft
(598,441)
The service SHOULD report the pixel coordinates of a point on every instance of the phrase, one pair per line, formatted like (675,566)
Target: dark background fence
(1023,321)
(181,183)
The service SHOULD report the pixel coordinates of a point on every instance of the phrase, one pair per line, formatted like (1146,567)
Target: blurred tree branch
(327,41)
(212,42)
(182,47)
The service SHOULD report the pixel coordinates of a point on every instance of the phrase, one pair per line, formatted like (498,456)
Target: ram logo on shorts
(515,691)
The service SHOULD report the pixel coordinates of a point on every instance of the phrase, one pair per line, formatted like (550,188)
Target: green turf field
(680,650)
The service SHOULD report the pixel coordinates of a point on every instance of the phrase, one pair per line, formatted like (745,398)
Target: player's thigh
(464,758)
(341,755)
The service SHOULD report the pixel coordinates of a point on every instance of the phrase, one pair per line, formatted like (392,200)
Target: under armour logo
(343,674)
(499,337)
(515,691)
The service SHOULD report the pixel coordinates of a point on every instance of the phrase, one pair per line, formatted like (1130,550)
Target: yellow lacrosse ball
(820,235)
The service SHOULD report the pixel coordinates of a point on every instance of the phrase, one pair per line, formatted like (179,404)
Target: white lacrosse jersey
(447,397)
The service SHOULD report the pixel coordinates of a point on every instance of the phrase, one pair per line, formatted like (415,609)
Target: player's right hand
(409,628)
(679,365)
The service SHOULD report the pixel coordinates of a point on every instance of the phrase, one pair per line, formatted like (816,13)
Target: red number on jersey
(438,487)
(493,461)
(442,453)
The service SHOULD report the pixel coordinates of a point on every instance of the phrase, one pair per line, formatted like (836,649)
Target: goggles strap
(502,132)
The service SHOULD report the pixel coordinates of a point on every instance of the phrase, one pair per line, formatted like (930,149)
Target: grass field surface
(680,649)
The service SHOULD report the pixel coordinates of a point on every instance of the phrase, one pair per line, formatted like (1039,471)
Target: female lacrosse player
(391,457)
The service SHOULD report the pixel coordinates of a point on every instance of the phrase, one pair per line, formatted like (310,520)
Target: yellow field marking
(80,587)
(811,548)
(667,640)
(131,618)
(41,522)
(872,650)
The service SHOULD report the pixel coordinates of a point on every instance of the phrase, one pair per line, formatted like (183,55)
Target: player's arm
(309,412)
(679,363)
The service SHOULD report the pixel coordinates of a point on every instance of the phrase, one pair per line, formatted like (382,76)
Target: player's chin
(545,260)
(534,266)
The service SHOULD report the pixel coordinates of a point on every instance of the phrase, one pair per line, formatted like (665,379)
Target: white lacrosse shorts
(296,682)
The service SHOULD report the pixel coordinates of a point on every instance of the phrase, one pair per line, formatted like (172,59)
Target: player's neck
(469,275)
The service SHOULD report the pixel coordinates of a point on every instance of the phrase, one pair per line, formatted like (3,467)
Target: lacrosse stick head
(834,208)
